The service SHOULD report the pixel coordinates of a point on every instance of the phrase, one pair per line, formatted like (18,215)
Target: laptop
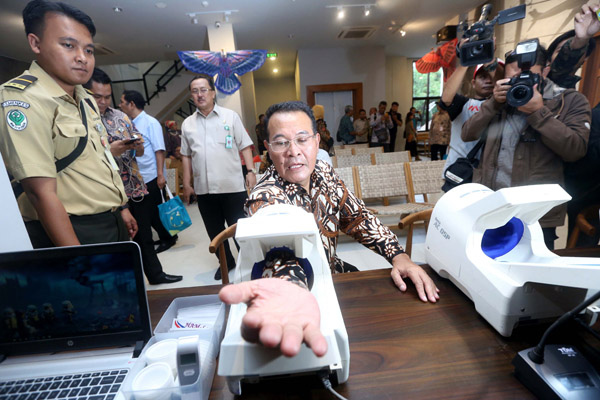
(72,319)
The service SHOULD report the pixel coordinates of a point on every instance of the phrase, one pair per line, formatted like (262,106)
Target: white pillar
(221,39)
(13,237)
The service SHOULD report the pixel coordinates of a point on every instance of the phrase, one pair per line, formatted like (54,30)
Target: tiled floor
(190,256)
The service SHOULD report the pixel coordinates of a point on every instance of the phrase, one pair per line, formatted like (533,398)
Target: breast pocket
(67,136)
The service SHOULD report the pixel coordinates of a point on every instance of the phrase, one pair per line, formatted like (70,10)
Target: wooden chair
(218,244)
(347,175)
(356,146)
(173,181)
(367,150)
(343,152)
(385,181)
(423,140)
(582,225)
(409,221)
(425,177)
(390,158)
(351,161)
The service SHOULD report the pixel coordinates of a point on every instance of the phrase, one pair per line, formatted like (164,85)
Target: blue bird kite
(227,65)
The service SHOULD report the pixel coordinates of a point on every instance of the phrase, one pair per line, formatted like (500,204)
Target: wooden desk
(401,347)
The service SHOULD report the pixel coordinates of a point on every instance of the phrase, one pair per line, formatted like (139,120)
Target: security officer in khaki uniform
(51,124)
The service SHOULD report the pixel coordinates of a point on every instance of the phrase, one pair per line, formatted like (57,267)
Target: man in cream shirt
(211,141)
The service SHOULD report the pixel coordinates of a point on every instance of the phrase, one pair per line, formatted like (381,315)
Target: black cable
(537,354)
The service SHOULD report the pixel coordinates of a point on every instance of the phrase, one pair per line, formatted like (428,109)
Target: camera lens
(477,50)
(519,95)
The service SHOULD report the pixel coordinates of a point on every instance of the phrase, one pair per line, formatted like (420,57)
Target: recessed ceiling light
(161,5)
(340,14)
(367,11)
(117,9)
(168,46)
(275,70)
(403,33)
(205,4)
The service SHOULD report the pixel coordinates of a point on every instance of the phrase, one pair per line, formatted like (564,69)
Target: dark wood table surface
(400,347)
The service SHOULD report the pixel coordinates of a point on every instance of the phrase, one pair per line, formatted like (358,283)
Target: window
(427,91)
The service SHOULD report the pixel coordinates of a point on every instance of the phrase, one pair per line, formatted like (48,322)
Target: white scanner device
(490,245)
(277,226)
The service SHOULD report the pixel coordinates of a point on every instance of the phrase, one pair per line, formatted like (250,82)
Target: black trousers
(412,147)
(143,211)
(96,228)
(438,148)
(216,209)
(156,199)
(392,145)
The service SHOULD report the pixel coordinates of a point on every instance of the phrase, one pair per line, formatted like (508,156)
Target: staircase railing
(161,83)
(186,110)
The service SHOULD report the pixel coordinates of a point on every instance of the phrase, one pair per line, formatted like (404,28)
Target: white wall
(344,65)
(273,90)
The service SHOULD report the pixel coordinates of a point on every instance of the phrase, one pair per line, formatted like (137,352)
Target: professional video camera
(521,90)
(480,46)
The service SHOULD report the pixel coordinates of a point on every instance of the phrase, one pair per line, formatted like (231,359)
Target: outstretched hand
(403,267)
(280,314)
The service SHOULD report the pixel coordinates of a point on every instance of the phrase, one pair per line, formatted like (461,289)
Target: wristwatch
(251,170)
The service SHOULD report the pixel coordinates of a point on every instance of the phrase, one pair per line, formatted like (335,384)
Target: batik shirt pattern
(335,209)
(119,127)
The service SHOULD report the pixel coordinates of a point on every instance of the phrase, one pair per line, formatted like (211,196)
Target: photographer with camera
(532,127)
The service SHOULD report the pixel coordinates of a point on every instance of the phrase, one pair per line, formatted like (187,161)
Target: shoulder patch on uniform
(22,82)
(16,120)
(15,103)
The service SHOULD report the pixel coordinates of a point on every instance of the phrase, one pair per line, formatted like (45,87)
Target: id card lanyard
(228,138)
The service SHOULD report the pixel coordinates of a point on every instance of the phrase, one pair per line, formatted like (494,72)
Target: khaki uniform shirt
(42,124)
(214,143)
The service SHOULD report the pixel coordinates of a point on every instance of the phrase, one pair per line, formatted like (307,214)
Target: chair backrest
(356,146)
(351,161)
(218,245)
(426,176)
(375,181)
(173,180)
(391,158)
(343,152)
(347,176)
(367,150)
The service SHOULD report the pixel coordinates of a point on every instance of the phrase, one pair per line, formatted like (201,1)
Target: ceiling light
(168,46)
(340,14)
(205,4)
(403,32)
(275,70)
(195,21)
(226,15)
(367,11)
(393,22)
(291,36)
(161,5)
(117,9)
(272,58)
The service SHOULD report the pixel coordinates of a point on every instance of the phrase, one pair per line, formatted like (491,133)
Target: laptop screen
(72,298)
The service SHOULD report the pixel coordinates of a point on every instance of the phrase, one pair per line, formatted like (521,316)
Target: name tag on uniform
(228,142)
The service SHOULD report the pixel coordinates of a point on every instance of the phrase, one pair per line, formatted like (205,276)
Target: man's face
(362,114)
(413,110)
(127,106)
(102,95)
(297,163)
(511,70)
(202,95)
(395,108)
(483,85)
(350,111)
(372,111)
(382,108)
(65,50)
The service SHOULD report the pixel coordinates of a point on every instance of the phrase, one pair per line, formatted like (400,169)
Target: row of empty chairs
(399,180)
(349,151)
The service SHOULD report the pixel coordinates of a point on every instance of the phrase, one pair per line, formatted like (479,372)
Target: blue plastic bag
(173,214)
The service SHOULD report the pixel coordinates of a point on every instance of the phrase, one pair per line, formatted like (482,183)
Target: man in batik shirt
(281,314)
(125,143)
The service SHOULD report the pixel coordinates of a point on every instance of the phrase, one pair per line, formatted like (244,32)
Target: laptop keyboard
(102,385)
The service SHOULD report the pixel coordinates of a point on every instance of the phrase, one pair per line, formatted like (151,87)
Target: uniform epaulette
(22,82)
(89,91)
